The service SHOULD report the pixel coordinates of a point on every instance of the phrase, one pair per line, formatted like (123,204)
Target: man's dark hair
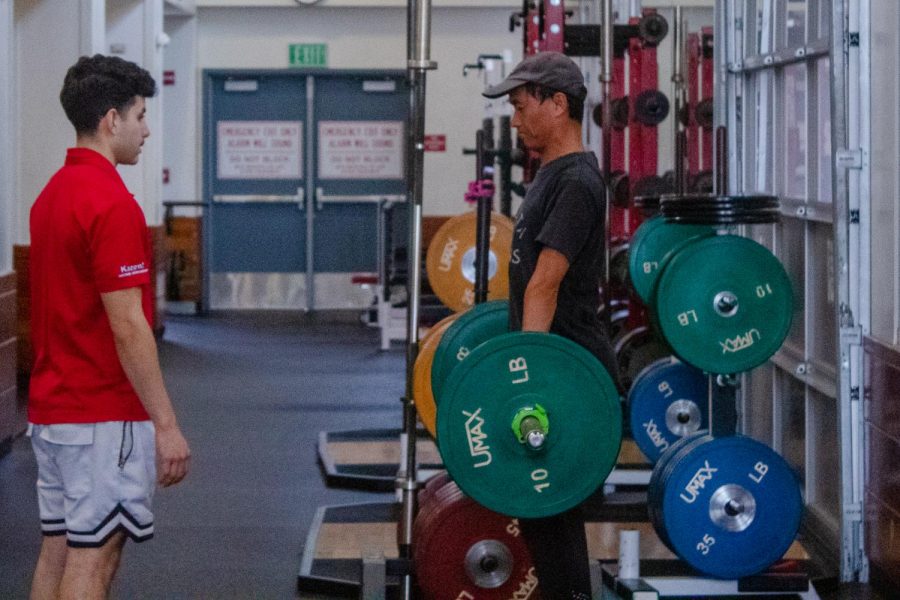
(95,84)
(542,92)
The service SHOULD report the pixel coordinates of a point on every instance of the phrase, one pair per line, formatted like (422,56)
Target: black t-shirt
(564,210)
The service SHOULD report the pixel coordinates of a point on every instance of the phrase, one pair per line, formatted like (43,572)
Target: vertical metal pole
(310,194)
(606,76)
(679,101)
(721,154)
(846,143)
(418,63)
(506,161)
(483,168)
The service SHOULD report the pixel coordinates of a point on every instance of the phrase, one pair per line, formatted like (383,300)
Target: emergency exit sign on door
(308,55)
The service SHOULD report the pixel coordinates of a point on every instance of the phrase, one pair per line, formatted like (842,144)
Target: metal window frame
(747,83)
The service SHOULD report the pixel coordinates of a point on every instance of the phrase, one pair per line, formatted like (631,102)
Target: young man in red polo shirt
(101,422)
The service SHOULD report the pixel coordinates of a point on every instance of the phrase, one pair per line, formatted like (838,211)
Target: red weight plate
(434,483)
(435,501)
(471,552)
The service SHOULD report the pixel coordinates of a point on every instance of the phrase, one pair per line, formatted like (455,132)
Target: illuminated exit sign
(308,55)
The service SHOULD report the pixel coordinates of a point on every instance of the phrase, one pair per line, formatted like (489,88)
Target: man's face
(532,118)
(130,132)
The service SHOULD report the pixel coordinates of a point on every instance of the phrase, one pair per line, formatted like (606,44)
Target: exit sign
(308,55)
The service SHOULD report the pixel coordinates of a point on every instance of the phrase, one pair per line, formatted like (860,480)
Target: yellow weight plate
(450,261)
(422,394)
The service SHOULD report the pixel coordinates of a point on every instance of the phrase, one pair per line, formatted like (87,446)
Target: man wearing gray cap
(555,267)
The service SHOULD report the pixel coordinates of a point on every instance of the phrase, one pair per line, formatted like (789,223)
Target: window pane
(793,423)
(824,19)
(759,146)
(794,105)
(792,254)
(757,405)
(823,97)
(796,23)
(823,345)
(824,454)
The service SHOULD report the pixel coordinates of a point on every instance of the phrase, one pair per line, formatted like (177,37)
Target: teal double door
(299,170)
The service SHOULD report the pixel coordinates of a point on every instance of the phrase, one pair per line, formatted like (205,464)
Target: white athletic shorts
(95,479)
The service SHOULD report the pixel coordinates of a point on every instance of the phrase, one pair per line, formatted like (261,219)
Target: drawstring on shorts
(127,431)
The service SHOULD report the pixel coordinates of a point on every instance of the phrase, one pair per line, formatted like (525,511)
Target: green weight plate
(484,394)
(724,304)
(653,244)
(477,325)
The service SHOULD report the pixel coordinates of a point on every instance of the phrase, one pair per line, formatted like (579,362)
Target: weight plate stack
(703,113)
(635,349)
(667,401)
(648,205)
(651,107)
(653,28)
(617,318)
(463,550)
(652,245)
(450,260)
(729,507)
(724,304)
(529,425)
(475,326)
(422,392)
(708,209)
(654,487)
(618,266)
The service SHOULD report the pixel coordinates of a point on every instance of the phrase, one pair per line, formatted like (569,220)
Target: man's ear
(109,121)
(561,101)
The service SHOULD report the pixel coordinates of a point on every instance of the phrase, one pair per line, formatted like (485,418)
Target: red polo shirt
(88,236)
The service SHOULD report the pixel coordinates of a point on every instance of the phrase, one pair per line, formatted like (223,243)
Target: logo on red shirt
(129,270)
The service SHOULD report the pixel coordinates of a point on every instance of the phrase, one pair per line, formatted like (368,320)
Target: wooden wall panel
(185,267)
(7,364)
(25,357)
(883,437)
(7,307)
(158,270)
(10,421)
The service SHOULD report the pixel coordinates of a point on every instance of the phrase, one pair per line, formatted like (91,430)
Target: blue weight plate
(656,487)
(668,400)
(731,507)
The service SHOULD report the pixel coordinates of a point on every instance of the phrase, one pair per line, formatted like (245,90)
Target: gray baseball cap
(553,70)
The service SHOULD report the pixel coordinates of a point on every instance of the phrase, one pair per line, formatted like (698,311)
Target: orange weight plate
(424,398)
(450,261)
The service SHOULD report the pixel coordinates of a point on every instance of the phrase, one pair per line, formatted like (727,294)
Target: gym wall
(356,38)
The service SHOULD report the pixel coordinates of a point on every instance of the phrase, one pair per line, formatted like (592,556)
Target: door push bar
(322,198)
(298,198)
